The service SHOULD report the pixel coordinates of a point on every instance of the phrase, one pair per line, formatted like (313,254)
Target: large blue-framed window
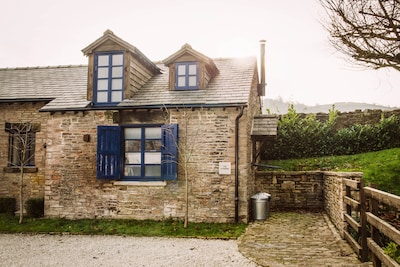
(108,78)
(187,75)
(138,152)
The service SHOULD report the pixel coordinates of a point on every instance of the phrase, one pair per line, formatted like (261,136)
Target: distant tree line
(302,137)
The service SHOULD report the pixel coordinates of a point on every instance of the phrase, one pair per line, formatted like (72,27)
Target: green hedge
(8,205)
(35,207)
(303,137)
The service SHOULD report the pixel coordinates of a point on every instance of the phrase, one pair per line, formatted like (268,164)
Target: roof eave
(14,100)
(158,106)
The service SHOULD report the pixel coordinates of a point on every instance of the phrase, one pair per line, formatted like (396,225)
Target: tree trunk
(185,224)
(21,195)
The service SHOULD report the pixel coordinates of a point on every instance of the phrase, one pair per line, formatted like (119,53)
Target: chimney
(261,86)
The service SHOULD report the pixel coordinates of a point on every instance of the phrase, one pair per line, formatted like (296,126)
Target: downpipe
(237,164)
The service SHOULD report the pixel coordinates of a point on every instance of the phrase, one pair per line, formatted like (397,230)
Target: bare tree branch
(366,31)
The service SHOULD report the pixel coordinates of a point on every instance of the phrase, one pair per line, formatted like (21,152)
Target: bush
(304,137)
(392,251)
(35,207)
(8,205)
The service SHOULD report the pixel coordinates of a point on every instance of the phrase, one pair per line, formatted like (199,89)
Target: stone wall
(34,179)
(292,190)
(307,191)
(346,119)
(72,190)
(334,191)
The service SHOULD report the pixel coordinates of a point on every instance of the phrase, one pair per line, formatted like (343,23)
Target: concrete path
(296,239)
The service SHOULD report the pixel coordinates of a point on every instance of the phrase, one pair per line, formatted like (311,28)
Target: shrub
(8,205)
(35,207)
(303,137)
(392,251)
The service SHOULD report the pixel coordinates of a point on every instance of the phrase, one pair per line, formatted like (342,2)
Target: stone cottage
(126,137)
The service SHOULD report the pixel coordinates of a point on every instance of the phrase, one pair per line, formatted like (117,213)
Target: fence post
(374,207)
(363,222)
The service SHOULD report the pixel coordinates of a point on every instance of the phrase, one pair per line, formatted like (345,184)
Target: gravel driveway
(78,250)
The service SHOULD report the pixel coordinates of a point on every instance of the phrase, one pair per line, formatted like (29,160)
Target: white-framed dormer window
(108,78)
(187,76)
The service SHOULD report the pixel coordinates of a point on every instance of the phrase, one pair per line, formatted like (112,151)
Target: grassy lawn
(167,228)
(381,168)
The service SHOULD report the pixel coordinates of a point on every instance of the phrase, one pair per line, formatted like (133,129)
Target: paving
(296,239)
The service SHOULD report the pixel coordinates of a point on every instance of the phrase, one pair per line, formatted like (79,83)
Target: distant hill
(278,106)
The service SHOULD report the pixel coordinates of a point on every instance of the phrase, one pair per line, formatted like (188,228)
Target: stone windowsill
(135,183)
(17,169)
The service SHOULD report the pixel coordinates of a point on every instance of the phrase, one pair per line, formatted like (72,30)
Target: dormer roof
(110,36)
(188,50)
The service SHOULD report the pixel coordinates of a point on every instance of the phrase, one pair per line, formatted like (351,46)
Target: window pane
(152,145)
(133,133)
(153,171)
(117,72)
(102,84)
(15,146)
(132,145)
(181,69)
(102,60)
(102,97)
(192,81)
(117,59)
(132,170)
(153,133)
(116,96)
(133,158)
(181,81)
(152,158)
(116,84)
(192,69)
(102,73)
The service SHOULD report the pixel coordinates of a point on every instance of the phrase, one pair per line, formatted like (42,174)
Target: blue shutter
(108,152)
(169,152)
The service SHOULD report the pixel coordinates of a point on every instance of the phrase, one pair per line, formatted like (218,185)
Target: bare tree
(189,122)
(22,146)
(366,31)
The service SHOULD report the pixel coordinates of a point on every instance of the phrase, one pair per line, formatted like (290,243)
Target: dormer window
(116,71)
(108,77)
(189,69)
(187,75)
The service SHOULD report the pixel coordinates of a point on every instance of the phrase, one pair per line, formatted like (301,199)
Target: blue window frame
(186,75)
(108,78)
(137,153)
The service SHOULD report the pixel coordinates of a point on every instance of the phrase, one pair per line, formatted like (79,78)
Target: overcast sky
(301,66)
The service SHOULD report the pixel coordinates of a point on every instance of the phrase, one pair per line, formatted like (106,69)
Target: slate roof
(66,87)
(230,87)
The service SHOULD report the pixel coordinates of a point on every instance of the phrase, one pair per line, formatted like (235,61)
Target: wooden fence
(366,231)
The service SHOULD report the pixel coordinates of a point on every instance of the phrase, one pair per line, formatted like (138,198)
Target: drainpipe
(237,164)
(261,91)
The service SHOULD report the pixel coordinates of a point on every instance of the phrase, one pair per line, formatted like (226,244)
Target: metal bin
(260,206)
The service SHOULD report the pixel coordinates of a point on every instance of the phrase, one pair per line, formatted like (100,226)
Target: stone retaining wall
(369,116)
(334,190)
(292,190)
(315,190)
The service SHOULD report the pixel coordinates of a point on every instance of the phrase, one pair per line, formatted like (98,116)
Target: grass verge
(167,228)
(381,167)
